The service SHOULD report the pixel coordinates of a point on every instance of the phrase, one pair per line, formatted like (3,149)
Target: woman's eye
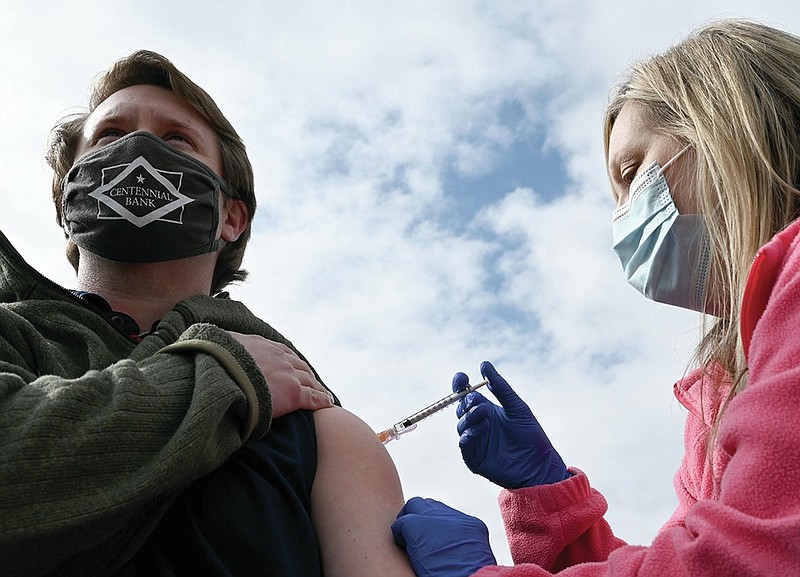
(629,174)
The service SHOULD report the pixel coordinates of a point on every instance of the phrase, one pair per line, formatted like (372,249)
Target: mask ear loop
(676,157)
(671,160)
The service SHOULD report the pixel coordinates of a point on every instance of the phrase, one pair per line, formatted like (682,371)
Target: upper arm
(93,445)
(355,498)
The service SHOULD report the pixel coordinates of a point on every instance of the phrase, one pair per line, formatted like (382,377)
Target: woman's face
(634,145)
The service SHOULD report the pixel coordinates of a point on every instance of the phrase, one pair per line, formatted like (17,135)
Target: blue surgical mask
(664,254)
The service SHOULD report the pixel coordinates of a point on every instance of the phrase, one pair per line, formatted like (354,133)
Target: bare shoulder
(339,424)
(355,497)
(354,447)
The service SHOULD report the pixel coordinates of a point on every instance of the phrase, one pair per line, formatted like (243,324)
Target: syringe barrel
(441,404)
(410,423)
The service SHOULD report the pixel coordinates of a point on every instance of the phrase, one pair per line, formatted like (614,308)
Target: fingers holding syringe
(474,429)
(460,383)
(515,408)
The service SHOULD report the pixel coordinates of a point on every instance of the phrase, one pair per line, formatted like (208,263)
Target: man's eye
(109,135)
(177,137)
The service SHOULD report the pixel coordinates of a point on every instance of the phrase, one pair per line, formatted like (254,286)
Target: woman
(703,152)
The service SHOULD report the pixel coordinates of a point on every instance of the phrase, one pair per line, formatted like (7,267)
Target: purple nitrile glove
(441,541)
(505,444)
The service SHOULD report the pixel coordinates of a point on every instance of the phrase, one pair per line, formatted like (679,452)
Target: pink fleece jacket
(739,515)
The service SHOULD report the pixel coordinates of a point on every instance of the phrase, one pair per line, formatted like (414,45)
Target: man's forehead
(157,110)
(148,99)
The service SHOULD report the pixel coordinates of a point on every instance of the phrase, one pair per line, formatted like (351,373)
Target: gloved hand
(504,444)
(441,541)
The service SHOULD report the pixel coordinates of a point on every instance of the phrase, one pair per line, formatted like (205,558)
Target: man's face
(167,116)
(156,110)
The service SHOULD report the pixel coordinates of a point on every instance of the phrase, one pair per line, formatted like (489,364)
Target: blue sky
(431,194)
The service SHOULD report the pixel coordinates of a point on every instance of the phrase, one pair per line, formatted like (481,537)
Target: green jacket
(98,434)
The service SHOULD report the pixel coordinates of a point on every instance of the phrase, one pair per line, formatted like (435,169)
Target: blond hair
(731,91)
(146,67)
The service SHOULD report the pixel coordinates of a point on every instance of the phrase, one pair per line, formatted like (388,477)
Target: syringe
(410,423)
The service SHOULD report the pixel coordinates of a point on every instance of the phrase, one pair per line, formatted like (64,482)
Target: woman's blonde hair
(147,67)
(731,91)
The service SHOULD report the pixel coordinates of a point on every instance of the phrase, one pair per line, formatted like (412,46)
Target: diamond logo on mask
(140,194)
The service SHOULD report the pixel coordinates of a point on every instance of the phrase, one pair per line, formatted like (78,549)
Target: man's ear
(234,219)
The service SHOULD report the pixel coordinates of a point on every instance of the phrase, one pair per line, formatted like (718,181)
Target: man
(116,396)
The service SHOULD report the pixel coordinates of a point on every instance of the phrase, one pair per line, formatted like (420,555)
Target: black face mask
(140,200)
